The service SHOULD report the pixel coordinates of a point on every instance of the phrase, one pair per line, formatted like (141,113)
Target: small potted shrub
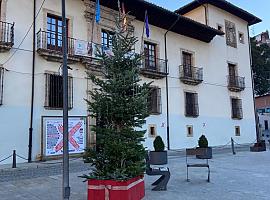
(159,156)
(203,143)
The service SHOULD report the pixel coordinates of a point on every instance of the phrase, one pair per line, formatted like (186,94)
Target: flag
(119,7)
(97,11)
(124,15)
(147,30)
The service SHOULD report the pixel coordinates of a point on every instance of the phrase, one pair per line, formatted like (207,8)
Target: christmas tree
(119,104)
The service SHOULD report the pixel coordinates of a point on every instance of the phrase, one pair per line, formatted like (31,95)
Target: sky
(259,8)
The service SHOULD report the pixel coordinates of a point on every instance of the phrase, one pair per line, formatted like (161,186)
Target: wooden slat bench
(195,152)
(161,183)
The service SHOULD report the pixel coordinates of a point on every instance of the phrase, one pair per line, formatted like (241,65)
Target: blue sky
(260,8)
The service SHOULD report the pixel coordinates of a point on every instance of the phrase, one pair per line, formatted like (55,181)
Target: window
(187,64)
(237,131)
(152,130)
(266,125)
(1,84)
(220,27)
(192,107)
(150,55)
(154,101)
(230,34)
(54,32)
(106,38)
(54,92)
(189,131)
(261,111)
(241,38)
(237,112)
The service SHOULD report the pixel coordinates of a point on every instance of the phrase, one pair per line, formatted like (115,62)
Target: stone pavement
(244,176)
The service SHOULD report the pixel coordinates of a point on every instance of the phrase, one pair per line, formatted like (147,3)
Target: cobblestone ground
(244,176)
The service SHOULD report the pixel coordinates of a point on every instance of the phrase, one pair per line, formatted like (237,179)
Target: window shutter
(47,86)
(240,110)
(70,92)
(159,103)
(154,101)
(196,104)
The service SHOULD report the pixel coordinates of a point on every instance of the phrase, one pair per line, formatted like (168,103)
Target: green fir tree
(119,104)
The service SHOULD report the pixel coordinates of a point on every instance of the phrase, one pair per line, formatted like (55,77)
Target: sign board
(82,48)
(53,135)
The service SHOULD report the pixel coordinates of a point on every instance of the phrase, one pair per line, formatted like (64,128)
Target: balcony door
(54,32)
(150,56)
(187,64)
(232,74)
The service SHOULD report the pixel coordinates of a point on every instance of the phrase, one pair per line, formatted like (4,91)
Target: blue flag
(97,11)
(147,25)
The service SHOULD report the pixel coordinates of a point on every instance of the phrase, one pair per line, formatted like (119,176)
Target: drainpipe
(33,86)
(167,87)
(205,10)
(252,80)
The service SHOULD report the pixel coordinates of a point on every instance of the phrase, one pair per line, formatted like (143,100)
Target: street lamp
(65,182)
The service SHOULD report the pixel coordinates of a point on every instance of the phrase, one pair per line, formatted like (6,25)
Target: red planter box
(132,189)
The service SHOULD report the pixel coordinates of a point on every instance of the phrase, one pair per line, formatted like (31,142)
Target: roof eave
(163,18)
(250,18)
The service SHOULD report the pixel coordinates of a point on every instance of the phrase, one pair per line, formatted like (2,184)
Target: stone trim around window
(152,130)
(189,130)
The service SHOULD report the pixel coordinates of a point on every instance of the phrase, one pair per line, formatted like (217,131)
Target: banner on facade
(53,135)
(82,48)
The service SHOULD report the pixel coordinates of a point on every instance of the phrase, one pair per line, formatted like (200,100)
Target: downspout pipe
(205,10)
(167,84)
(30,142)
(253,90)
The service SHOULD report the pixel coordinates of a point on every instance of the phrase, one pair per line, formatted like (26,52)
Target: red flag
(124,15)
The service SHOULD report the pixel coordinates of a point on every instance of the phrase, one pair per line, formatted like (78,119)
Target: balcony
(6,36)
(91,60)
(191,75)
(236,83)
(49,46)
(154,68)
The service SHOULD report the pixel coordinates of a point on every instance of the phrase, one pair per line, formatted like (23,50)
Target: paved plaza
(244,176)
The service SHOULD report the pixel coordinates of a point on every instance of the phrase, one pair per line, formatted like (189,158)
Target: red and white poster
(53,135)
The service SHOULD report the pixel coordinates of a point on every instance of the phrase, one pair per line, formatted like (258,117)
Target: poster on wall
(82,48)
(53,135)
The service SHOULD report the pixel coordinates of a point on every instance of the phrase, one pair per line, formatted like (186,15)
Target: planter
(208,153)
(158,158)
(132,189)
(258,147)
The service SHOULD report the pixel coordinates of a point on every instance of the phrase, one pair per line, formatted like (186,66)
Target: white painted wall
(214,97)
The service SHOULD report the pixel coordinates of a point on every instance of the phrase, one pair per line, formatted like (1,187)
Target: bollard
(14,159)
(232,143)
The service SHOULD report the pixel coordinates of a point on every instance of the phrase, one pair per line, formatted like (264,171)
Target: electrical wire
(28,31)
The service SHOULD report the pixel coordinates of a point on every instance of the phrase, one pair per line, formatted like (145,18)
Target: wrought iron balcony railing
(154,67)
(50,46)
(191,75)
(6,35)
(236,83)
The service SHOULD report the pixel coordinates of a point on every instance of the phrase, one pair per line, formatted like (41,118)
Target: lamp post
(66,188)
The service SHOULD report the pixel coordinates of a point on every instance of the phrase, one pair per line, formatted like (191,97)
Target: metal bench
(161,183)
(197,152)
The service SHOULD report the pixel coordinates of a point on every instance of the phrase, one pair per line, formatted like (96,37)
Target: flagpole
(142,44)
